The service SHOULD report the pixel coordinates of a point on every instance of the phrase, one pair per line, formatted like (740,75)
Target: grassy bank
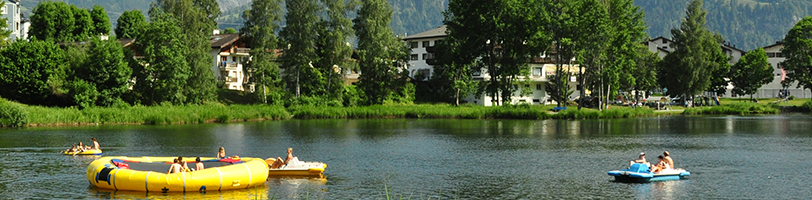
(740,108)
(46,116)
(18,115)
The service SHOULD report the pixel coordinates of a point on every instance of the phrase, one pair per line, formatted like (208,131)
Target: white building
(422,61)
(16,21)
(772,89)
(661,46)
(229,54)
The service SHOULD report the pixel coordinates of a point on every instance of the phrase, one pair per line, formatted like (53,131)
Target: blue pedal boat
(639,173)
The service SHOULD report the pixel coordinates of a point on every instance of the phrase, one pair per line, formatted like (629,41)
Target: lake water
(730,157)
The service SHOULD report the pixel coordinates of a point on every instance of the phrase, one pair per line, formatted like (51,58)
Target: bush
(747,108)
(12,114)
(807,106)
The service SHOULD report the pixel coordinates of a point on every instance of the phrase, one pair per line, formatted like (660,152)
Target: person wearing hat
(642,160)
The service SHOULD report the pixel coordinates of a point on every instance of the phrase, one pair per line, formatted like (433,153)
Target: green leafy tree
(52,20)
(688,70)
(101,21)
(4,31)
(645,73)
(28,73)
(196,18)
(719,79)
(262,21)
(381,54)
(592,43)
(130,24)
(502,34)
(83,27)
(301,34)
(562,29)
(230,31)
(333,45)
(107,71)
(164,73)
(797,45)
(751,72)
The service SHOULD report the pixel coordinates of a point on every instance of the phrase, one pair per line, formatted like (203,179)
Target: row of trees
(604,36)
(169,61)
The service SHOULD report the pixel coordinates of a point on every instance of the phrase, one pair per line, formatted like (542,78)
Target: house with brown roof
(229,53)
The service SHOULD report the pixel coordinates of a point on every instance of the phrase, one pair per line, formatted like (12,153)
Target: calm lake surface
(730,157)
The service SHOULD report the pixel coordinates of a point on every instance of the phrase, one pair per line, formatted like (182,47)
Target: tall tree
(334,49)
(29,70)
(562,28)
(52,20)
(101,21)
(196,18)
(262,21)
(382,55)
(301,34)
(82,25)
(494,36)
(626,38)
(594,36)
(797,48)
(5,32)
(130,24)
(107,71)
(691,65)
(164,73)
(751,72)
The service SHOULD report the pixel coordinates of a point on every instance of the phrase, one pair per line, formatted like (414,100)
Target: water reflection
(298,187)
(258,192)
(660,190)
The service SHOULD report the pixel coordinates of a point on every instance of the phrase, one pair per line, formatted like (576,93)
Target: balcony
(229,79)
(230,66)
(242,51)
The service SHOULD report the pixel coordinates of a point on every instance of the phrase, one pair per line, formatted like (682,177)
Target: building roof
(222,40)
(773,45)
(126,42)
(433,33)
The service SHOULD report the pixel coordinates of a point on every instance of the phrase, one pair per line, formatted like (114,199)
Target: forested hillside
(748,24)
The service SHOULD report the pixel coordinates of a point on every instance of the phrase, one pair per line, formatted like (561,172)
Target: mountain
(749,24)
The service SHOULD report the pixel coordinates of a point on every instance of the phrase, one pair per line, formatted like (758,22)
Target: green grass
(421,111)
(763,101)
(613,112)
(191,114)
(733,109)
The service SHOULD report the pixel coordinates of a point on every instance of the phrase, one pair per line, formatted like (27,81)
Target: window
(425,56)
(3,9)
(665,41)
(426,44)
(526,86)
(476,73)
(537,71)
(414,57)
(431,56)
(538,86)
(413,45)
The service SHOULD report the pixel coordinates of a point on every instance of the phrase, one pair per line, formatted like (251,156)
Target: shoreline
(37,116)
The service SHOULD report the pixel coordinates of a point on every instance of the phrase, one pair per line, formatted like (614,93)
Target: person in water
(95,144)
(667,158)
(641,159)
(175,167)
(71,149)
(221,153)
(279,162)
(199,165)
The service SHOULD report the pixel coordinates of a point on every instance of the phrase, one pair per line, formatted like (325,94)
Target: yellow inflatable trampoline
(149,174)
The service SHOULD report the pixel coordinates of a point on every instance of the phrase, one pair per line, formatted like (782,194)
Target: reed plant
(164,114)
(741,108)
(433,111)
(615,112)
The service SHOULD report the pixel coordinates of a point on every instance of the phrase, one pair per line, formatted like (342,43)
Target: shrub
(12,114)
